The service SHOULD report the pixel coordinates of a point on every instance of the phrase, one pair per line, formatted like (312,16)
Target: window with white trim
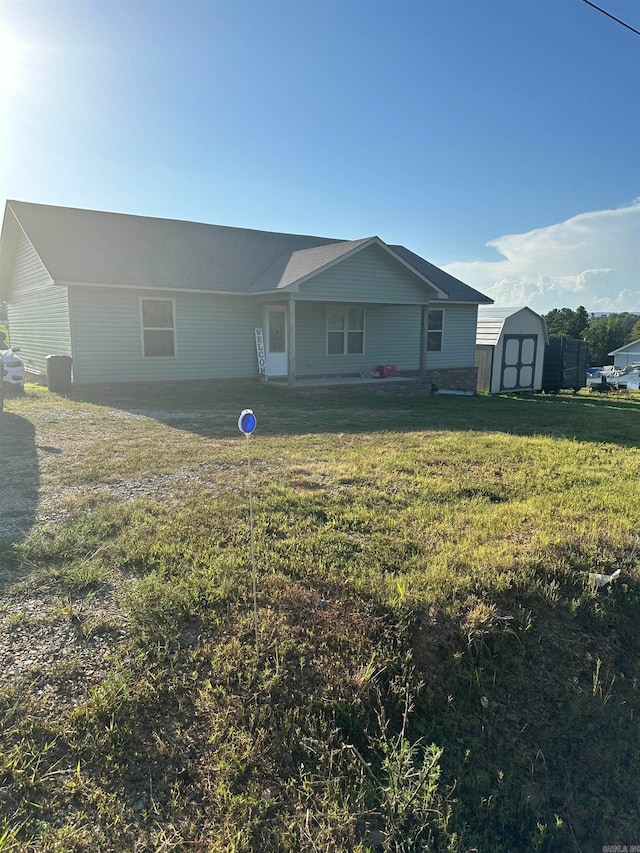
(434,330)
(158,331)
(345,330)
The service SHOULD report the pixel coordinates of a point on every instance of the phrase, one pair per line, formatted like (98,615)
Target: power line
(613,17)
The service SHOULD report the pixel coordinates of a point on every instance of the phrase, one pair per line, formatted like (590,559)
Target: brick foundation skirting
(454,378)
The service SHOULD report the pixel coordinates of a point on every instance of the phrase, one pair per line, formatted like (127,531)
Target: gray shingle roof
(456,290)
(96,247)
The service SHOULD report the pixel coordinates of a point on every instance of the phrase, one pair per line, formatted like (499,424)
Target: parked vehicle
(608,377)
(12,370)
(628,378)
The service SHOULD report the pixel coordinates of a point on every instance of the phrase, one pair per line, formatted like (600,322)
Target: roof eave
(485,301)
(156,287)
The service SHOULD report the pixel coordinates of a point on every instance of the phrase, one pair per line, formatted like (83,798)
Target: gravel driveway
(55,647)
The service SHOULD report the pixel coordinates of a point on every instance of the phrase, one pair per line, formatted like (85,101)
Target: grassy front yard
(435,670)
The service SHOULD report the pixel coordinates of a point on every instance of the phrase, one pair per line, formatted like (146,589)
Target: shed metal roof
(491,320)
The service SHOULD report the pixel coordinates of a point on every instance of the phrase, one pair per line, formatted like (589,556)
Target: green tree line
(603,334)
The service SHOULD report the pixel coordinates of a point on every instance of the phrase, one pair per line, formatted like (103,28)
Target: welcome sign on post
(260,352)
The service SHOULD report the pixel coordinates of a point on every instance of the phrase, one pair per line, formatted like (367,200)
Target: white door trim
(276,359)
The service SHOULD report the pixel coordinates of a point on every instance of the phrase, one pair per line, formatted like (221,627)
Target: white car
(12,370)
(629,378)
(623,378)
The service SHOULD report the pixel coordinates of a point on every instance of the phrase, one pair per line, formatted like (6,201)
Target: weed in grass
(599,689)
(416,814)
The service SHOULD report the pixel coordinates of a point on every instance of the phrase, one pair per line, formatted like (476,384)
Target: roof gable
(293,268)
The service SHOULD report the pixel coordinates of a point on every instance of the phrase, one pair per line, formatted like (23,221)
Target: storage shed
(510,345)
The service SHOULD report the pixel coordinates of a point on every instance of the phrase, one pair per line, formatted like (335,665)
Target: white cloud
(592,259)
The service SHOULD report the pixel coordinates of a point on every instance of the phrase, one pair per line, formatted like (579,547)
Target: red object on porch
(386,370)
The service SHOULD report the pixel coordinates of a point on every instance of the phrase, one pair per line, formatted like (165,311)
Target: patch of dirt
(56,649)
(163,488)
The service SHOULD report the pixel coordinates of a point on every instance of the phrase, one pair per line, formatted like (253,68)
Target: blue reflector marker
(247,422)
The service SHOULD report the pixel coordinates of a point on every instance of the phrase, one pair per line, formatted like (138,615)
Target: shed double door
(518,362)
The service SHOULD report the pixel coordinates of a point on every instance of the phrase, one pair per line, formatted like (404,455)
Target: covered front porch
(319,343)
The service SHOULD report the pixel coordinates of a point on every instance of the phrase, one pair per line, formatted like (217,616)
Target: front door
(276,340)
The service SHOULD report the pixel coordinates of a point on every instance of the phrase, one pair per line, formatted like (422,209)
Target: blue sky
(497,138)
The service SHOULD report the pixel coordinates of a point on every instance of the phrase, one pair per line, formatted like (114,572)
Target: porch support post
(424,325)
(291,343)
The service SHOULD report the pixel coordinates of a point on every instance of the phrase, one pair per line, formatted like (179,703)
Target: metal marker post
(246,424)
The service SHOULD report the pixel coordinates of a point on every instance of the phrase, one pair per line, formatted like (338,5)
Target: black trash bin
(59,373)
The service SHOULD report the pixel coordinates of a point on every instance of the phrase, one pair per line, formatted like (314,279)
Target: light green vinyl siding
(392,336)
(369,276)
(458,336)
(38,310)
(214,336)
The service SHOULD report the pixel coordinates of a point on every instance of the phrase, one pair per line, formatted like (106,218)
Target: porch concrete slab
(345,381)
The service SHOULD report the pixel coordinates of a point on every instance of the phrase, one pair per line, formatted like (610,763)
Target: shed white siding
(38,310)
(214,336)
